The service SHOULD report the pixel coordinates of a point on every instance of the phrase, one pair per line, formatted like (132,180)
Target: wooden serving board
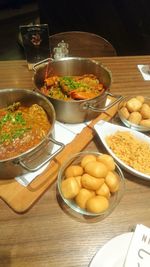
(19,198)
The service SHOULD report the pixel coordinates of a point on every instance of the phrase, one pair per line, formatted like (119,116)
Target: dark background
(124,23)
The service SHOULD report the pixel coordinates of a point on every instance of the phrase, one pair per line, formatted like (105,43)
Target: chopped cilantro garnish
(19,118)
(4,137)
(18,133)
(13,117)
(72,84)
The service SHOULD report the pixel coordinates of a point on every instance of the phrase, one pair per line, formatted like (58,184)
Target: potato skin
(97,204)
(90,182)
(82,197)
(96,169)
(124,112)
(73,170)
(107,160)
(145,111)
(78,179)
(135,117)
(133,104)
(145,122)
(140,98)
(87,159)
(104,191)
(70,188)
(112,180)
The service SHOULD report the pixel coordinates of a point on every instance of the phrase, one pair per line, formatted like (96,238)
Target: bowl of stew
(77,86)
(26,131)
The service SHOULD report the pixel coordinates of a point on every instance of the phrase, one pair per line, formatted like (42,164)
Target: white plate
(105,129)
(113,253)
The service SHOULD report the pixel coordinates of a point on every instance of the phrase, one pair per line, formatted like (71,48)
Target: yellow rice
(134,152)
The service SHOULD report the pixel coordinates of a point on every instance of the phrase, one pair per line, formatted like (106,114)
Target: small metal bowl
(126,121)
(71,204)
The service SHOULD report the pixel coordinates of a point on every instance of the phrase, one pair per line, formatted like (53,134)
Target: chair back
(83,44)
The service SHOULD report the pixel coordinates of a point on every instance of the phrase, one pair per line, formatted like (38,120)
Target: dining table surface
(46,235)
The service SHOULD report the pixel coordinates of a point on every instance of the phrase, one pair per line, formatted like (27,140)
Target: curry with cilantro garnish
(67,88)
(21,129)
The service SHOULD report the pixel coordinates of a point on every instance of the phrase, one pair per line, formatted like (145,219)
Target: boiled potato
(145,111)
(124,112)
(73,170)
(113,181)
(97,204)
(78,179)
(96,169)
(139,111)
(70,188)
(135,117)
(104,191)
(82,197)
(145,123)
(124,103)
(107,160)
(91,182)
(87,159)
(133,104)
(140,98)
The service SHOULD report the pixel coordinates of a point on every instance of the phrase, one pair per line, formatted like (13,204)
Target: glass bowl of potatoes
(134,112)
(91,183)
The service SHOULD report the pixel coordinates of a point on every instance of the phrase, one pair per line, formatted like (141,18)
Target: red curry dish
(72,87)
(21,129)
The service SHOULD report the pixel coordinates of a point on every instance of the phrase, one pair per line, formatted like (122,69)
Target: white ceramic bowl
(105,129)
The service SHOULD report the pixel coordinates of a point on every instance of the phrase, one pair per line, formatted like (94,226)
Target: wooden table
(47,236)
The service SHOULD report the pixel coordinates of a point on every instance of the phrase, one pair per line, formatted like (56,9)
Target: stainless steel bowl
(80,110)
(35,158)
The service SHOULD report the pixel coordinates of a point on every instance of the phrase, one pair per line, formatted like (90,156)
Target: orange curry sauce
(21,129)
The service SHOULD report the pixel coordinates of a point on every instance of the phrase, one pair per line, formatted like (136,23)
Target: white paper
(145,71)
(138,254)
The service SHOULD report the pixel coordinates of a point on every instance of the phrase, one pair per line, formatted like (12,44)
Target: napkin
(64,133)
(145,71)
(138,254)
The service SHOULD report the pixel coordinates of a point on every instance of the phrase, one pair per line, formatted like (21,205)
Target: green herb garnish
(15,118)
(72,84)
(19,118)
(18,133)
